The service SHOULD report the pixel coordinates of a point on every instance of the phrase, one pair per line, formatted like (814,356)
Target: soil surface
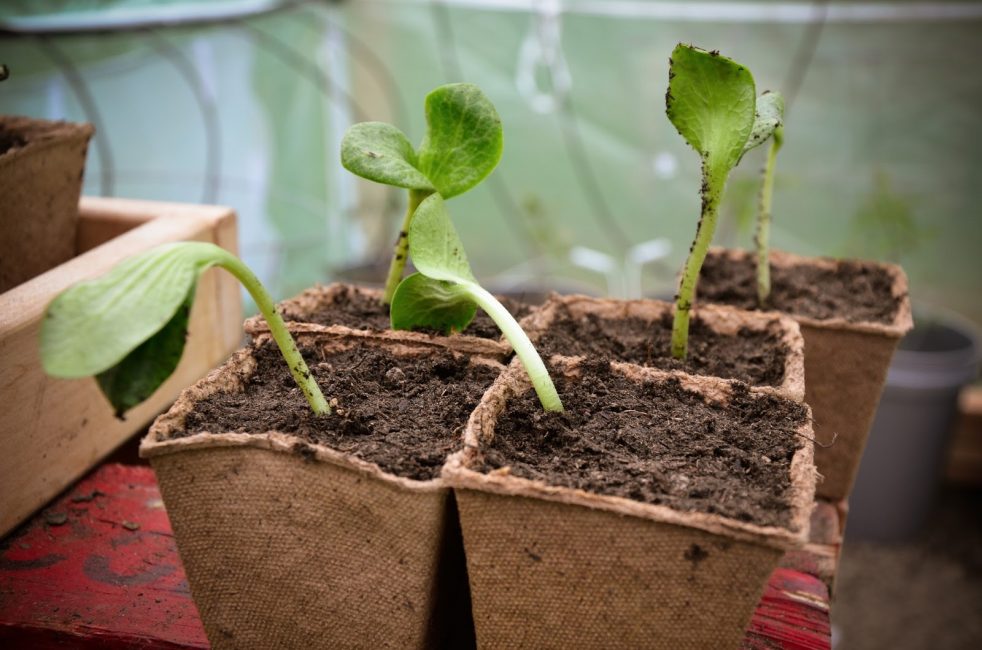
(856,291)
(655,443)
(359,311)
(757,358)
(405,414)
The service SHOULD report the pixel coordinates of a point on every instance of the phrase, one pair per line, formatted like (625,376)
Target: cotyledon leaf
(380,152)
(463,141)
(436,248)
(93,325)
(768,119)
(711,101)
(422,302)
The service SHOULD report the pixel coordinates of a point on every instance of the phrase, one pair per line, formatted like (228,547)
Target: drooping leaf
(93,325)
(380,152)
(422,302)
(711,102)
(142,371)
(435,246)
(767,120)
(463,141)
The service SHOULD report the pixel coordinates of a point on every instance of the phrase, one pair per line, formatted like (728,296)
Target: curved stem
(288,347)
(523,347)
(762,235)
(401,251)
(712,189)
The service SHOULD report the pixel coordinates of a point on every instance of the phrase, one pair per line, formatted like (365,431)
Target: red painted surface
(99,569)
(92,582)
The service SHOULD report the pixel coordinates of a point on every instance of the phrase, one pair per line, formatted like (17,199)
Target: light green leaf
(381,153)
(435,246)
(420,301)
(463,141)
(143,370)
(94,325)
(711,101)
(767,120)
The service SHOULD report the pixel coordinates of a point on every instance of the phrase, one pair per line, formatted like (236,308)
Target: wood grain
(53,430)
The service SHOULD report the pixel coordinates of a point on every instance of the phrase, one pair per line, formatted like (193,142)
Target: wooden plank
(51,430)
(99,569)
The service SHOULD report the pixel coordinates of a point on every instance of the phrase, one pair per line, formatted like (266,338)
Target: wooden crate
(53,430)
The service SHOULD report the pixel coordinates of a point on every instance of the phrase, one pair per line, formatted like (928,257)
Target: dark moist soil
(855,291)
(353,309)
(656,443)
(757,358)
(403,414)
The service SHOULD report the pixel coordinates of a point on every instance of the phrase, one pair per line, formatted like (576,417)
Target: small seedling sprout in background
(711,101)
(129,326)
(770,106)
(462,145)
(444,294)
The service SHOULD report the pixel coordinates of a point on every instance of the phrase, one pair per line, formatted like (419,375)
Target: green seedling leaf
(128,327)
(711,101)
(767,120)
(436,248)
(142,371)
(94,325)
(463,142)
(432,304)
(438,295)
(380,152)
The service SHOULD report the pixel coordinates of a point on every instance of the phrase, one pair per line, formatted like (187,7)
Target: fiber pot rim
(41,134)
(514,381)
(723,319)
(231,377)
(902,321)
(307,300)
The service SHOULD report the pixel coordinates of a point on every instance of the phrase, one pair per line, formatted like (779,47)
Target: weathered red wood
(793,613)
(99,569)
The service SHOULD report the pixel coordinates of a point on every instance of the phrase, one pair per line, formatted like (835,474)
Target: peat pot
(846,356)
(901,469)
(554,562)
(291,543)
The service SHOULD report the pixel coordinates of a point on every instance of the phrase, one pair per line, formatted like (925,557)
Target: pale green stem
(288,347)
(401,251)
(690,274)
(523,347)
(762,236)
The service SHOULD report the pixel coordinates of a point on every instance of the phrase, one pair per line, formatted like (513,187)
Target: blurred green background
(244,103)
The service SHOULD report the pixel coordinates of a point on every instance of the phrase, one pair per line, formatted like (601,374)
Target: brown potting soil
(360,311)
(405,414)
(655,443)
(855,291)
(756,357)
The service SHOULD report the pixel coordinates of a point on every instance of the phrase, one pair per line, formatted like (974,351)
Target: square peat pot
(591,549)
(759,349)
(847,353)
(53,431)
(291,542)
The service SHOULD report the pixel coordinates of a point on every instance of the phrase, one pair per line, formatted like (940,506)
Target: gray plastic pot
(900,471)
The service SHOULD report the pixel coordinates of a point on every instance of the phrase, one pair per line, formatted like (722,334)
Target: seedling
(461,147)
(770,106)
(128,327)
(443,293)
(711,101)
